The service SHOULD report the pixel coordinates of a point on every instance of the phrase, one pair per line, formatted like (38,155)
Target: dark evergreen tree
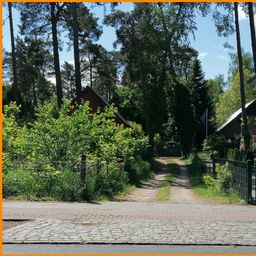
(68,80)
(200,100)
(33,63)
(37,20)
(181,126)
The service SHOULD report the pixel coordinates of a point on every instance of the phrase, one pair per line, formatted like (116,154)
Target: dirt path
(180,192)
(147,192)
(181,189)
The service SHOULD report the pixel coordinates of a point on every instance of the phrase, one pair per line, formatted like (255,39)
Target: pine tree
(200,100)
(181,121)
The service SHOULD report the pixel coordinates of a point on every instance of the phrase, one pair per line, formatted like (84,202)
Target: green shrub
(111,180)
(137,170)
(66,186)
(50,149)
(224,177)
(210,181)
(196,170)
(20,183)
(214,145)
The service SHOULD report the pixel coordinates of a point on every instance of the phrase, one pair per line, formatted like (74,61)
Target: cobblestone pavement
(133,232)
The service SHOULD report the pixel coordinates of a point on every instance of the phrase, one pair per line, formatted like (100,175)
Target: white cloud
(241,13)
(202,55)
(223,57)
(51,79)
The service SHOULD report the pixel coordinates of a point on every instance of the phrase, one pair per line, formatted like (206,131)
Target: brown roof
(96,102)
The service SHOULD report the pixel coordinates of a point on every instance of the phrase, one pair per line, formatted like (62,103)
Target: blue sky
(213,55)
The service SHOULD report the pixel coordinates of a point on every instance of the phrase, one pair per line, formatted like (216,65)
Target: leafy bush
(214,145)
(111,180)
(20,182)
(137,170)
(210,181)
(51,148)
(66,186)
(224,177)
(196,169)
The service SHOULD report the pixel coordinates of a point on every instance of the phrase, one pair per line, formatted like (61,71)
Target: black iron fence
(243,174)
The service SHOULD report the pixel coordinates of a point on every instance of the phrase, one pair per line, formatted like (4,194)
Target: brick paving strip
(131,222)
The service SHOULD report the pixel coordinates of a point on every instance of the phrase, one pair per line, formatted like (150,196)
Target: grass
(163,193)
(207,193)
(127,190)
(215,195)
(170,161)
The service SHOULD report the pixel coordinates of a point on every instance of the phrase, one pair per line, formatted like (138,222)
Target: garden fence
(243,173)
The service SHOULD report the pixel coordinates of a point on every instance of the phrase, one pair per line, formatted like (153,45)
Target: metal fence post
(213,166)
(249,168)
(83,169)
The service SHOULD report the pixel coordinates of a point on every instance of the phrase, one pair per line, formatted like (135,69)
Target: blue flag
(203,118)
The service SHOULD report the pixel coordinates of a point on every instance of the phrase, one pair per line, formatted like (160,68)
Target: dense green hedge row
(41,159)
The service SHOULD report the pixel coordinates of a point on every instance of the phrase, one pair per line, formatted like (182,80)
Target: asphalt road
(124,249)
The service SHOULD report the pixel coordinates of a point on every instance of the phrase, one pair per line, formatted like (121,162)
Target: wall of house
(252,124)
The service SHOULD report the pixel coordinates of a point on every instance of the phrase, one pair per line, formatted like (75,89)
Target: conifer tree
(200,100)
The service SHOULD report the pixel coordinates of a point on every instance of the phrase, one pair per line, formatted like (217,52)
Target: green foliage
(200,101)
(215,88)
(219,188)
(223,181)
(224,177)
(214,145)
(236,155)
(33,59)
(20,182)
(112,180)
(48,151)
(196,170)
(128,100)
(138,170)
(66,186)
(181,121)
(253,143)
(230,100)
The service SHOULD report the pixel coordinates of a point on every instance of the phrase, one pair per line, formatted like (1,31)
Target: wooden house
(96,102)
(231,129)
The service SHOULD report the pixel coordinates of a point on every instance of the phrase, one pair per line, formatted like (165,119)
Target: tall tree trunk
(244,127)
(76,54)
(55,45)
(253,37)
(14,62)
